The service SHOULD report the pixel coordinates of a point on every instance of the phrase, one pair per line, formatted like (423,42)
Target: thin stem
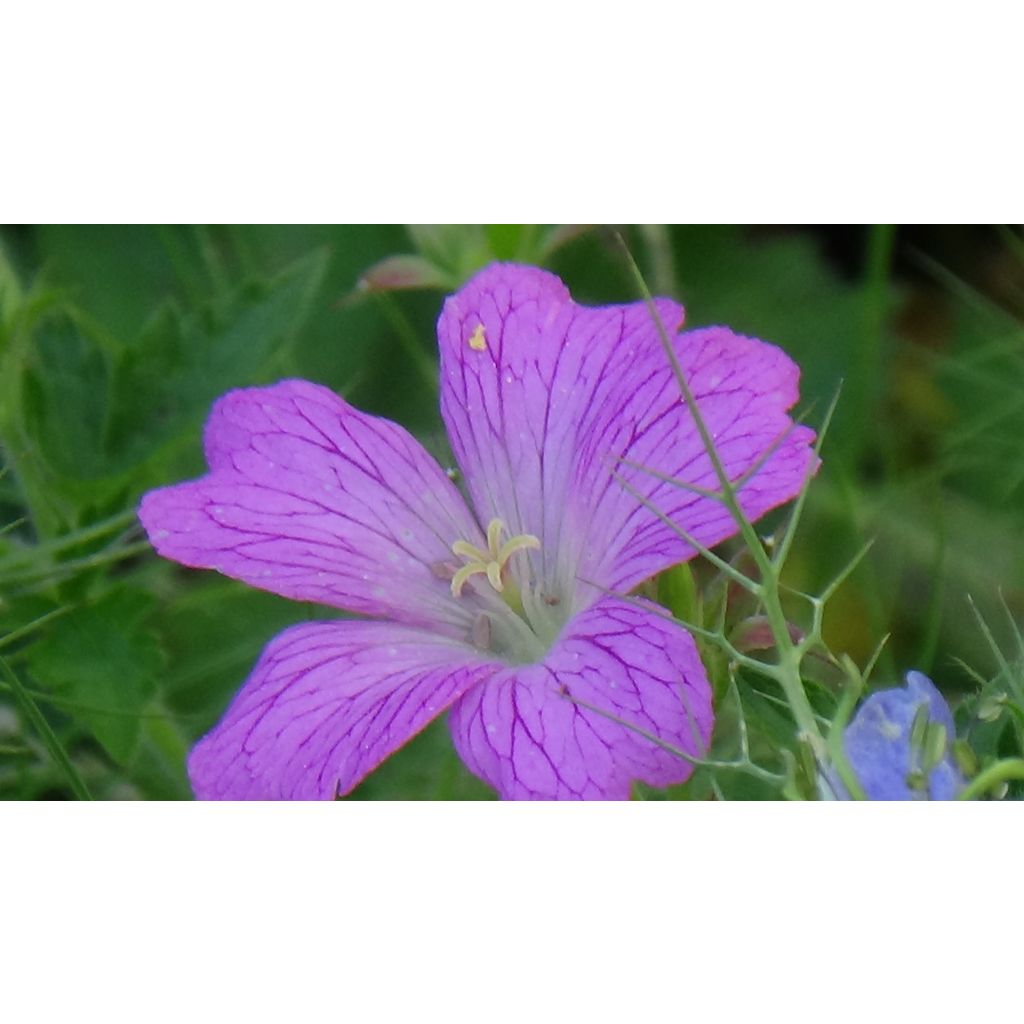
(407,337)
(789,656)
(718,638)
(1002,771)
(1004,667)
(837,751)
(30,627)
(783,547)
(12,525)
(46,734)
(745,767)
(63,569)
(719,563)
(75,537)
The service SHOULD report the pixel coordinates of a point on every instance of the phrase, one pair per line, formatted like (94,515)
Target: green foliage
(114,342)
(97,414)
(102,662)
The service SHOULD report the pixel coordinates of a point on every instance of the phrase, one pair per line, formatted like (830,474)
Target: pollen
(477,341)
(493,562)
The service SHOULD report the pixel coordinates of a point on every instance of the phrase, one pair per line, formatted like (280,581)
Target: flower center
(519,624)
(493,562)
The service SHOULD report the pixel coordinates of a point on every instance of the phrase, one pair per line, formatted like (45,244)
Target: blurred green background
(114,341)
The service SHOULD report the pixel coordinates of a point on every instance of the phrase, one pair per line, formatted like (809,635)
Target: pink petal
(524,733)
(743,388)
(327,702)
(544,399)
(312,499)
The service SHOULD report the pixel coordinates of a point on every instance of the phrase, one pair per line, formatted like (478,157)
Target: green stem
(406,335)
(46,734)
(1002,771)
(67,540)
(63,569)
(787,670)
(30,627)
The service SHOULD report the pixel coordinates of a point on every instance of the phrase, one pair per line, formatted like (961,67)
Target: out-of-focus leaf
(458,248)
(214,632)
(94,412)
(10,294)
(779,289)
(102,663)
(118,273)
(182,364)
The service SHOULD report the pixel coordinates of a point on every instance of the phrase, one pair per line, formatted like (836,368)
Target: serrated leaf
(94,412)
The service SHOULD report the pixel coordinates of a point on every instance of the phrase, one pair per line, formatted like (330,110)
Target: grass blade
(46,734)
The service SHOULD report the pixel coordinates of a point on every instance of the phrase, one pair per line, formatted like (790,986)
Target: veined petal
(743,389)
(532,733)
(327,702)
(312,499)
(546,402)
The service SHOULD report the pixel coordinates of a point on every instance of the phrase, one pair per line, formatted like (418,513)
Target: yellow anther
(495,528)
(514,544)
(477,341)
(460,578)
(464,549)
(492,562)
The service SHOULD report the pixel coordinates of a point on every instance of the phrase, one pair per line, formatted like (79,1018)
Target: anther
(492,562)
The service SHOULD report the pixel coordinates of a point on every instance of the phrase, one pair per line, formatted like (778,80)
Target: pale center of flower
(519,622)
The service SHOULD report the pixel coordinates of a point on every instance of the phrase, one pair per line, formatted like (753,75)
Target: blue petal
(878,746)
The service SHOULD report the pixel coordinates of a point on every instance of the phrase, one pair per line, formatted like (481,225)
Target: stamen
(492,562)
(464,549)
(495,528)
(481,633)
(460,578)
(514,544)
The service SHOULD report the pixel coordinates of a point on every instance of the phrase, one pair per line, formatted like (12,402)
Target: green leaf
(66,395)
(95,413)
(182,364)
(102,665)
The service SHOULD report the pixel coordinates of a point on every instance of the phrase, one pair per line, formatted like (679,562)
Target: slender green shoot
(787,669)
(38,721)
(992,777)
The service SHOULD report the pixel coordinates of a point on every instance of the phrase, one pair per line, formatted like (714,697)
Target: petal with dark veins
(326,703)
(547,403)
(586,722)
(316,501)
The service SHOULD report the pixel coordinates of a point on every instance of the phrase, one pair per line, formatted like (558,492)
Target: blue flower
(899,744)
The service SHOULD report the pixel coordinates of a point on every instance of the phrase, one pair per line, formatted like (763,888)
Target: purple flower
(497,609)
(899,744)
